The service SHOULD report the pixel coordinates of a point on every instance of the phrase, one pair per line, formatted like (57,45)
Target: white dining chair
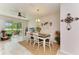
(28,37)
(47,43)
(36,40)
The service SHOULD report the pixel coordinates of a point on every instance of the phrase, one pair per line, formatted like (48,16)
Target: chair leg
(44,45)
(38,44)
(33,44)
(30,41)
(50,46)
(27,41)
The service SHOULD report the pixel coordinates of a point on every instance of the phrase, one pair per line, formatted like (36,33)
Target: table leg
(44,44)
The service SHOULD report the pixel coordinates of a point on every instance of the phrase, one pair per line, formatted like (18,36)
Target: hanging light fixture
(69,20)
(37,19)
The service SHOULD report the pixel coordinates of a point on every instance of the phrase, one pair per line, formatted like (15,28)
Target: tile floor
(9,47)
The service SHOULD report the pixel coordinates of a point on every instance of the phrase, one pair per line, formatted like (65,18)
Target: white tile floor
(12,48)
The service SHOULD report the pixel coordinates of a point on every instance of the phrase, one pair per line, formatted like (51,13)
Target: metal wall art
(44,23)
(69,20)
(50,23)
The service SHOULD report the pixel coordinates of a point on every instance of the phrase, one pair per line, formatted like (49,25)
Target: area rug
(40,51)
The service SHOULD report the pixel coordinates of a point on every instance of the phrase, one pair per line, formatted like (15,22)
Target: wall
(6,9)
(3,10)
(54,18)
(55,23)
(24,25)
(32,23)
(10,9)
(2,24)
(69,39)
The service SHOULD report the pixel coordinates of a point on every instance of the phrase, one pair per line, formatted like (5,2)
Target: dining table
(43,37)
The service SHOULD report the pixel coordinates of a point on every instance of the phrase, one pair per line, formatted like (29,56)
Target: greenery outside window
(10,27)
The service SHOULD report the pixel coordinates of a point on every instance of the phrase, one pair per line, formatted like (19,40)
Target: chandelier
(37,19)
(69,20)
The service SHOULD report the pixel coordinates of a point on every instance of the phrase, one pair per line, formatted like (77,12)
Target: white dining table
(44,41)
(42,38)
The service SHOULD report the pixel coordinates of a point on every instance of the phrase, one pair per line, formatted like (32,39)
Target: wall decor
(19,14)
(45,23)
(69,20)
(50,23)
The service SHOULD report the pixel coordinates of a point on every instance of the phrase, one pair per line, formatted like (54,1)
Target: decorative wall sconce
(69,20)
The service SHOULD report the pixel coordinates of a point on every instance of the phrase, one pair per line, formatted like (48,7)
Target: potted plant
(38,29)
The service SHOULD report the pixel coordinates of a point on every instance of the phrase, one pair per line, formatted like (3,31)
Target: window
(10,27)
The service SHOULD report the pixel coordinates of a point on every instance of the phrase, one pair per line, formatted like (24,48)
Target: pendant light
(37,19)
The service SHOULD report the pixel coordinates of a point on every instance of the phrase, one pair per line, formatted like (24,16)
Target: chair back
(51,37)
(35,35)
(28,35)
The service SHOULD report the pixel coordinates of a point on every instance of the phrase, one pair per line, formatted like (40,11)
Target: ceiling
(30,9)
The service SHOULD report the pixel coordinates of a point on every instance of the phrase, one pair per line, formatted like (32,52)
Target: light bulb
(38,20)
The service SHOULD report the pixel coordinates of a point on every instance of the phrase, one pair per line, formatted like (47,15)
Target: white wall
(10,9)
(55,23)
(6,9)
(47,28)
(3,10)
(54,18)
(24,25)
(69,39)
(31,23)
(1,24)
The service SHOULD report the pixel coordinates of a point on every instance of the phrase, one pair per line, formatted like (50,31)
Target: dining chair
(47,41)
(28,36)
(36,40)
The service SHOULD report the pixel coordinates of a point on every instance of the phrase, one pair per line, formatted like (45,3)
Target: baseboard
(62,52)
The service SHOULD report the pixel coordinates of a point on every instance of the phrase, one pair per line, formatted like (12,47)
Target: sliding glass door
(10,27)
